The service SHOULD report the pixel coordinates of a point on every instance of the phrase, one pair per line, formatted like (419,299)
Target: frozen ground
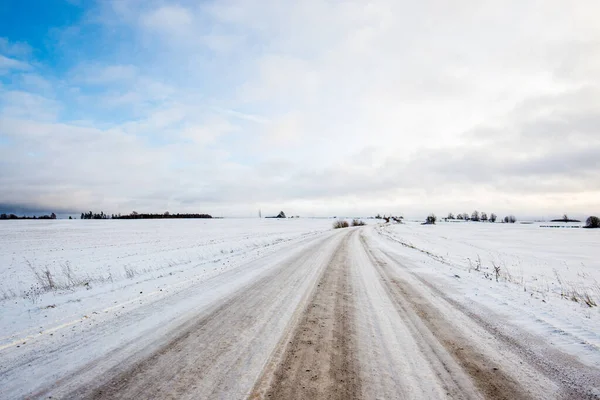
(97,264)
(548,278)
(293,309)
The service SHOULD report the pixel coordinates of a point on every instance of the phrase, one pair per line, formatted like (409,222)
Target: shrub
(431,218)
(340,224)
(357,222)
(592,222)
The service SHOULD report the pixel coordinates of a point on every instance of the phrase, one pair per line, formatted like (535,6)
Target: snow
(542,272)
(184,267)
(125,285)
(118,262)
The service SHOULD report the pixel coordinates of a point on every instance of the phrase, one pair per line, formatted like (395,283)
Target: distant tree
(450,216)
(466,216)
(592,222)
(52,216)
(3,216)
(70,217)
(475,215)
(430,220)
(484,217)
(510,219)
(565,218)
(493,217)
(167,213)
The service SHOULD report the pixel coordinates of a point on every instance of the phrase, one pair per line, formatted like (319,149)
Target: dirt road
(340,317)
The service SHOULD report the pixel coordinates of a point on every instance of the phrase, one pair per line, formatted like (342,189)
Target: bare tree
(450,216)
(475,216)
(484,217)
(493,217)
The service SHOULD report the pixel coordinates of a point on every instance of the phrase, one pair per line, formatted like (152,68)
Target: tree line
(136,215)
(483,217)
(166,215)
(14,216)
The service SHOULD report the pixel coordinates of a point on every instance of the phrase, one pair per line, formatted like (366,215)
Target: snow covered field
(548,278)
(548,262)
(206,308)
(95,264)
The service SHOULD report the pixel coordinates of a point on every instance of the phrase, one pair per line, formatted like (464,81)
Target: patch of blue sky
(5,141)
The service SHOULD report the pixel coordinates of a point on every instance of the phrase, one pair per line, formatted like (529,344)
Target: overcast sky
(313,107)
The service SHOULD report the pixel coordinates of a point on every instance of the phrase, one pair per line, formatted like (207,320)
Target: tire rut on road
(490,380)
(576,380)
(317,360)
(215,354)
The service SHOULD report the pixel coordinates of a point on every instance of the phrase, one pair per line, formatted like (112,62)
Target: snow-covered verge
(546,280)
(57,272)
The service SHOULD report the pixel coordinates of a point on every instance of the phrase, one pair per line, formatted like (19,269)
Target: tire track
(318,359)
(575,380)
(492,382)
(221,352)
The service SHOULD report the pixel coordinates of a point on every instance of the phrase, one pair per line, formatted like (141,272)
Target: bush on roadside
(340,224)
(592,222)
(357,222)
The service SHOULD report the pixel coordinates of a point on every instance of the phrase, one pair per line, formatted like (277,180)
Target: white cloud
(94,74)
(19,104)
(174,20)
(14,49)
(420,106)
(7,64)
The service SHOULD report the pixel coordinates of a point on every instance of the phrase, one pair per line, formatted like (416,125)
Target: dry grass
(340,223)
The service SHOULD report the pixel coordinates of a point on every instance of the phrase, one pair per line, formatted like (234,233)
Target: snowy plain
(548,278)
(123,285)
(99,264)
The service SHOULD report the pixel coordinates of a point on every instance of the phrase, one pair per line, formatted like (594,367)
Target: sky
(317,108)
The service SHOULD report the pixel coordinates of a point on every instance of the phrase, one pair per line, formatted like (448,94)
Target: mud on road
(318,361)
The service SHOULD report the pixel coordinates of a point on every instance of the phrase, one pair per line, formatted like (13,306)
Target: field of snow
(207,308)
(66,268)
(548,278)
(549,262)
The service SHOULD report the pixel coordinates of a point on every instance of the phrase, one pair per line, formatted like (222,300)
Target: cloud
(175,20)
(324,107)
(29,105)
(8,64)
(104,74)
(17,49)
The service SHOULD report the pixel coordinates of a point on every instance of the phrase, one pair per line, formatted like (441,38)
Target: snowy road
(338,315)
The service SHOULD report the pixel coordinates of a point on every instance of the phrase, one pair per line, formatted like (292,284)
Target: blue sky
(318,107)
